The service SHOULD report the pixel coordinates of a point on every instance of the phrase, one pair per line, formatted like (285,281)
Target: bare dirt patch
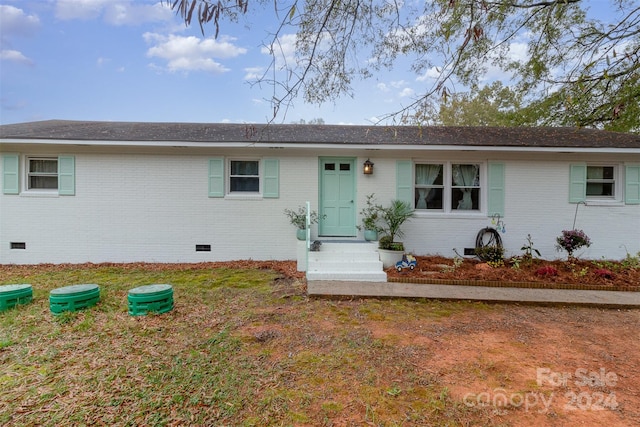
(232,353)
(547,366)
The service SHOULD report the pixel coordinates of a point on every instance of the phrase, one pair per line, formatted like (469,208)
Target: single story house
(75,192)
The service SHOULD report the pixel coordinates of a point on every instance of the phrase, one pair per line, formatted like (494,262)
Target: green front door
(337,197)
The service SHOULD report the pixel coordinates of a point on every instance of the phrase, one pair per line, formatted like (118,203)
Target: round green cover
(12,295)
(150,289)
(15,289)
(74,289)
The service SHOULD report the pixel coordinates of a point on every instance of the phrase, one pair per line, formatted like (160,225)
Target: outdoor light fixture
(368,167)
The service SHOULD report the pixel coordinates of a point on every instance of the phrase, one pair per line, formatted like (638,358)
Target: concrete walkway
(478,293)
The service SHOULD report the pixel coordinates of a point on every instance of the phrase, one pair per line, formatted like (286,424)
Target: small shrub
(299,218)
(494,254)
(572,240)
(547,271)
(604,273)
(631,261)
(388,244)
(370,215)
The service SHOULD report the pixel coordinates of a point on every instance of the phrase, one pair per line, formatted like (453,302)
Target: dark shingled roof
(320,134)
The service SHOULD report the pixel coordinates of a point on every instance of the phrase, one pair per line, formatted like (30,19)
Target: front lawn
(245,346)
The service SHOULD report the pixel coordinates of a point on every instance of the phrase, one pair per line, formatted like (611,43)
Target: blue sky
(126,60)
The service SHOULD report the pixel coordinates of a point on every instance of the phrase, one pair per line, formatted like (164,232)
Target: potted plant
(393,217)
(299,220)
(370,216)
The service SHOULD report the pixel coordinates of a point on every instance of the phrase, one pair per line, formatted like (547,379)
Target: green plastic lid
(14,288)
(150,289)
(74,289)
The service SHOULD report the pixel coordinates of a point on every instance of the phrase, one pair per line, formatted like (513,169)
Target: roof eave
(315,146)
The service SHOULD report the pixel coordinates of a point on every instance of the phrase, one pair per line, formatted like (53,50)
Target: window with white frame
(601,182)
(244,176)
(42,173)
(447,187)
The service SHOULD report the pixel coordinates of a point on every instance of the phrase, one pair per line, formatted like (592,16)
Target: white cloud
(406,92)
(15,56)
(517,52)
(431,74)
(14,22)
(284,50)
(114,12)
(401,85)
(398,84)
(192,53)
(253,73)
(80,9)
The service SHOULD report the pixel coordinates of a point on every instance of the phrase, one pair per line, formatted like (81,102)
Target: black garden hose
(494,241)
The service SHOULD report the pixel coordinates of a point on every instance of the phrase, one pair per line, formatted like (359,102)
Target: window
(601,182)
(465,187)
(447,187)
(244,176)
(42,173)
(429,187)
(250,178)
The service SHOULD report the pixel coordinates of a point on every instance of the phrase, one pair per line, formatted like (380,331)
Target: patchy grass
(246,347)
(233,351)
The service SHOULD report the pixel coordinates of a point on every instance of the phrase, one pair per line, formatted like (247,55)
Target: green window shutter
(632,185)
(496,183)
(66,175)
(10,173)
(404,182)
(271,178)
(216,177)
(577,183)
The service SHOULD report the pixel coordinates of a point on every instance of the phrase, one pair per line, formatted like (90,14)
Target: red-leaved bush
(604,273)
(547,270)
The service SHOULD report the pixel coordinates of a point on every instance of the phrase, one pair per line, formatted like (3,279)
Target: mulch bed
(557,274)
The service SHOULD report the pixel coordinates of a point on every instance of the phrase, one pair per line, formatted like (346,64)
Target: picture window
(447,187)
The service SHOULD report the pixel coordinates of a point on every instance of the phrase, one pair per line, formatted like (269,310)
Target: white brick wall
(151,207)
(536,203)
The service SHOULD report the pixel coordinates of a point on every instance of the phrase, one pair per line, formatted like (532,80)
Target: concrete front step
(343,256)
(346,260)
(349,265)
(348,246)
(351,276)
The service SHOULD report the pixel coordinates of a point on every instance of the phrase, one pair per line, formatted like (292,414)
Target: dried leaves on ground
(244,345)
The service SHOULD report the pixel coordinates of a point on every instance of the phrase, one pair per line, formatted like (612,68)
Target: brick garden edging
(525,285)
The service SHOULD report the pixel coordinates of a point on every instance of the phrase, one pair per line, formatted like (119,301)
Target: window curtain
(425,175)
(244,168)
(465,176)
